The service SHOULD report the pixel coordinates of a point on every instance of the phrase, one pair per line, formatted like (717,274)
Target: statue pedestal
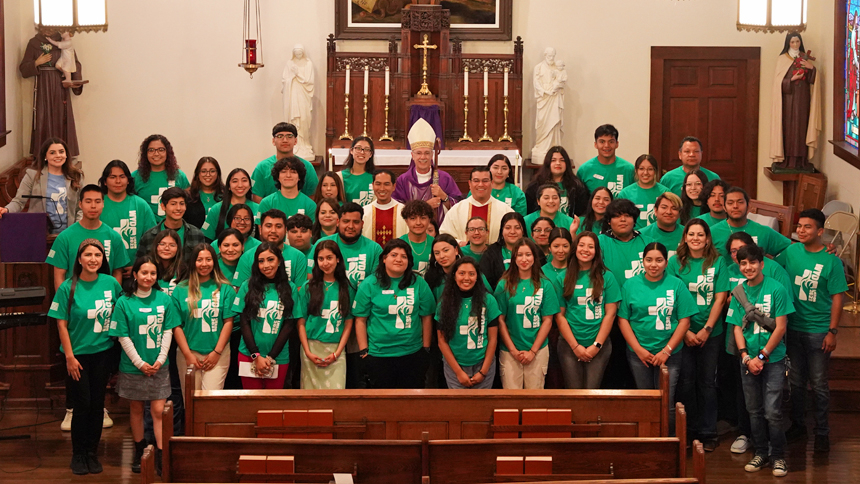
(790,183)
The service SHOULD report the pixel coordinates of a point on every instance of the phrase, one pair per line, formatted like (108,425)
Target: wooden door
(711,93)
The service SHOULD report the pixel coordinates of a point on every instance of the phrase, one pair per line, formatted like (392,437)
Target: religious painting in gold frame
(380,19)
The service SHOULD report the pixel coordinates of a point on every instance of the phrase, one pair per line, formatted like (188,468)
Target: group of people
(376,281)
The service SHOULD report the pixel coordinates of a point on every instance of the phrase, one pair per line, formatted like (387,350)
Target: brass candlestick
(505,136)
(465,136)
(364,132)
(346,134)
(385,136)
(485,137)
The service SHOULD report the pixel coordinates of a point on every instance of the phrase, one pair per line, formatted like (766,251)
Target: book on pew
(558,416)
(509,464)
(538,465)
(534,416)
(296,418)
(506,416)
(280,464)
(270,418)
(319,418)
(252,464)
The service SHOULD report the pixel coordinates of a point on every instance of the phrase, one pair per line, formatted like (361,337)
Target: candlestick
(387,86)
(465,136)
(347,79)
(506,82)
(346,134)
(466,81)
(364,132)
(485,137)
(330,161)
(505,136)
(366,78)
(385,136)
(517,170)
(486,82)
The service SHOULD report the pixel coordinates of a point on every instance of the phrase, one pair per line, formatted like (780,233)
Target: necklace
(423,245)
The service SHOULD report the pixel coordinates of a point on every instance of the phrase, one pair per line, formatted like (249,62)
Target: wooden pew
(214,459)
(445,414)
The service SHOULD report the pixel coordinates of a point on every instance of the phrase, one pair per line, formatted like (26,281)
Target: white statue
(549,81)
(297,86)
(66,62)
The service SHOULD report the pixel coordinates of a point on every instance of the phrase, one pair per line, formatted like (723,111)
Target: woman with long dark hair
(645,190)
(230,247)
(497,257)
(357,173)
(330,186)
(443,254)
(467,327)
(504,185)
(592,221)
(326,219)
(528,302)
(549,206)
(54,182)
(540,229)
(205,300)
(557,169)
(326,321)
(124,211)
(560,247)
(157,169)
(267,314)
(167,253)
(82,308)
(393,320)
(589,302)
(691,205)
(237,190)
(143,320)
(241,218)
(207,188)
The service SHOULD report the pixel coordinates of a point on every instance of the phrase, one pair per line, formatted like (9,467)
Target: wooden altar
(445,68)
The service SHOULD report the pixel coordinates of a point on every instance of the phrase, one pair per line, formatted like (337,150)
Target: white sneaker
(740,445)
(107,422)
(66,426)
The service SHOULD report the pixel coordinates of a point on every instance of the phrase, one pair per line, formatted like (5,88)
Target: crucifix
(425,91)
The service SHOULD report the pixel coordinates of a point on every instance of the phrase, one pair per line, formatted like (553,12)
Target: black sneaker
(822,444)
(756,464)
(93,463)
(711,445)
(79,465)
(795,433)
(779,468)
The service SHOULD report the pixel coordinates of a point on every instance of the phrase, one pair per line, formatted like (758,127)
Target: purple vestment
(407,188)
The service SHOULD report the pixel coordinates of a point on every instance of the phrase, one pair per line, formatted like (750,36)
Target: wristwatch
(254,356)
(708,329)
(763,357)
(598,345)
(833,331)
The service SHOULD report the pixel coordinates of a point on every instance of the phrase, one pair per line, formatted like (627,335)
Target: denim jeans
(763,394)
(453,382)
(697,389)
(648,378)
(809,363)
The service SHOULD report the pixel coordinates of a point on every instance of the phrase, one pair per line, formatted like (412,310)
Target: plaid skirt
(144,388)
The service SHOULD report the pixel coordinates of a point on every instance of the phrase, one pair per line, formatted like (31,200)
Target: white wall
(171,67)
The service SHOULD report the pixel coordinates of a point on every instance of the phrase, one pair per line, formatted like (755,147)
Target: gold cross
(425,91)
(385,233)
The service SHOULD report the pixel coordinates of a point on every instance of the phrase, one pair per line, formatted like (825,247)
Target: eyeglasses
(542,231)
(285,136)
(166,245)
(476,229)
(208,172)
(156,150)
(359,149)
(242,219)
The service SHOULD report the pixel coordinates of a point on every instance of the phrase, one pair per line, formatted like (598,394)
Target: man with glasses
(690,154)
(476,230)
(284,138)
(382,216)
(173,204)
(480,204)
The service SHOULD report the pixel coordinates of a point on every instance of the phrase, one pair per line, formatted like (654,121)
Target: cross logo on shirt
(703,288)
(403,309)
(636,267)
(331,315)
(474,340)
(207,313)
(422,268)
(807,284)
(366,197)
(663,311)
(288,267)
(128,230)
(271,316)
(101,313)
(156,199)
(152,328)
(529,310)
(593,309)
(356,268)
(764,307)
(616,186)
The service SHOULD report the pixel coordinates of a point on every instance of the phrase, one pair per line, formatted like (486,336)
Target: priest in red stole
(382,220)
(481,204)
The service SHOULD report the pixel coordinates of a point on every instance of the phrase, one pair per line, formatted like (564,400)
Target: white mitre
(421,135)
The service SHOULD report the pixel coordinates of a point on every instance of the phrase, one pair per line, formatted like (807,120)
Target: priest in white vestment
(382,220)
(480,204)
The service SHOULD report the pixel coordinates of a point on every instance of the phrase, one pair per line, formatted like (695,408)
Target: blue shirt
(58,205)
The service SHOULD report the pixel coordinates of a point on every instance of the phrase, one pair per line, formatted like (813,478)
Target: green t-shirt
(295,264)
(654,309)
(144,320)
(703,288)
(89,321)
(674,179)
(420,254)
(584,314)
(358,188)
(815,278)
(653,233)
(208,200)
(209,229)
(328,326)
(267,324)
(393,315)
(770,241)
(524,312)
(150,191)
(226,269)
(511,195)
(616,176)
(644,199)
(709,219)
(773,300)
(553,273)
(564,202)
(290,206)
(263,185)
(468,252)
(467,344)
(561,219)
(64,251)
(203,328)
(130,218)
(361,258)
(623,259)
(695,211)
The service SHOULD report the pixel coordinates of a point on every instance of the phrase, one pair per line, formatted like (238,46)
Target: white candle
(486,82)
(465,81)
(506,81)
(366,78)
(330,161)
(386,80)
(347,79)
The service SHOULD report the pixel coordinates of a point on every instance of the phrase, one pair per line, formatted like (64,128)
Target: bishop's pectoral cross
(424,91)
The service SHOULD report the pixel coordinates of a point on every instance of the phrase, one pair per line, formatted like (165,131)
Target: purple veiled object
(23,237)
(429,114)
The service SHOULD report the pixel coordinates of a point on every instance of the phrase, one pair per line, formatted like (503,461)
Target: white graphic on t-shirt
(593,308)
(152,328)
(331,315)
(422,268)
(271,316)
(703,288)
(530,310)
(616,186)
(474,340)
(663,311)
(636,267)
(207,311)
(107,248)
(403,309)
(765,307)
(807,284)
(366,197)
(60,198)
(100,315)
(356,268)
(563,205)
(156,199)
(288,267)
(128,230)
